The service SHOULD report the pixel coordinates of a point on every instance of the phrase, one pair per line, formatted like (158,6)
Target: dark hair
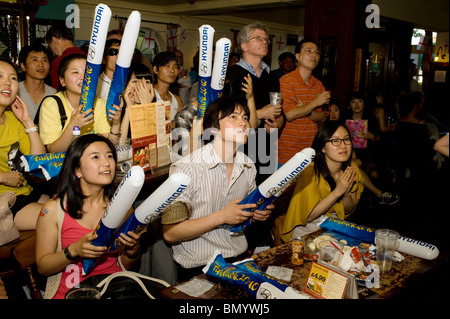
(323,135)
(140,71)
(334,101)
(298,46)
(10,63)
(59,32)
(219,109)
(407,102)
(357,95)
(26,50)
(114,32)
(68,185)
(64,64)
(163,58)
(109,43)
(283,56)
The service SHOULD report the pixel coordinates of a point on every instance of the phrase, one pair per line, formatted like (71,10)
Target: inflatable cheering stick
(154,205)
(409,246)
(102,17)
(417,248)
(119,205)
(274,183)
(126,51)
(205,68)
(219,71)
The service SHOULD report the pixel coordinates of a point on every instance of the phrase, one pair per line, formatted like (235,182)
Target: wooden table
(151,175)
(392,283)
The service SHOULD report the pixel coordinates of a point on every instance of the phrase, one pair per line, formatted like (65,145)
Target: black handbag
(125,285)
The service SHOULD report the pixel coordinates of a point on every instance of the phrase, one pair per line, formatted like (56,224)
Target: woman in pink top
(66,223)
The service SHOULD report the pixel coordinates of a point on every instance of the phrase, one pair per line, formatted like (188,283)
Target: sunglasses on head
(113,52)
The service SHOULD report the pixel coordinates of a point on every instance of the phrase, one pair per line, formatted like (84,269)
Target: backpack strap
(62,111)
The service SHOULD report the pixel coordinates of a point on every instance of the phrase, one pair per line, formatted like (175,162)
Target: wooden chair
(25,255)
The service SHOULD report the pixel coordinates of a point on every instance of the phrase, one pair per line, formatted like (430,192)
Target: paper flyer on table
(150,134)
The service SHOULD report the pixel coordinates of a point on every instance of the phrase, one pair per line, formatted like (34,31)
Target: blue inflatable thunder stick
(205,68)
(102,17)
(219,71)
(126,51)
(274,183)
(119,205)
(152,207)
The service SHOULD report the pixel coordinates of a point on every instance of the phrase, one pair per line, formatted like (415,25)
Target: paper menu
(150,134)
(326,281)
(356,127)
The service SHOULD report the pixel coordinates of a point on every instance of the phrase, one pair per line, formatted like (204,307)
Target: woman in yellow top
(331,185)
(57,139)
(18,135)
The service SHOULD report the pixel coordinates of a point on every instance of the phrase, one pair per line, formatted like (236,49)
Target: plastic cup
(84,293)
(275,98)
(124,150)
(124,141)
(387,243)
(327,251)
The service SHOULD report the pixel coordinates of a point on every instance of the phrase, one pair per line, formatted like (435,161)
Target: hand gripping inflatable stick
(274,183)
(126,51)
(102,16)
(154,205)
(219,71)
(204,68)
(120,203)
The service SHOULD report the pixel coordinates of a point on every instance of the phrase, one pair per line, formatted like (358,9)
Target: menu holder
(326,281)
(150,134)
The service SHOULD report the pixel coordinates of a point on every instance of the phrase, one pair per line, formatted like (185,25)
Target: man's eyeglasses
(260,39)
(338,141)
(113,52)
(311,51)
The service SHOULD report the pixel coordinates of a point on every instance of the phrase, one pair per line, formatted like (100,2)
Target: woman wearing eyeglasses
(110,54)
(331,185)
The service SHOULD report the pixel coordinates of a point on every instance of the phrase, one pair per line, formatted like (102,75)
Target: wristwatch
(68,255)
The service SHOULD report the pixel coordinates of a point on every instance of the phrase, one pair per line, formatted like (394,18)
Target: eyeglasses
(260,39)
(338,141)
(113,52)
(311,51)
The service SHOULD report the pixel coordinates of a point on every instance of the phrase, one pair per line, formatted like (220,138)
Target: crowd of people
(249,138)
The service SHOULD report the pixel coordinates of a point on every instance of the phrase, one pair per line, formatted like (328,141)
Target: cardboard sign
(325,283)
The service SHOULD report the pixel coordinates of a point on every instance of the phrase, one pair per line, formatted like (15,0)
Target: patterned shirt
(299,133)
(247,66)
(208,193)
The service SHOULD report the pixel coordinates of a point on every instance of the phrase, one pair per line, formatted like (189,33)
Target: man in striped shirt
(303,96)
(221,177)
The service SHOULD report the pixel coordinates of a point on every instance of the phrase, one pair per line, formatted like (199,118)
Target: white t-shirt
(173,104)
(103,85)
